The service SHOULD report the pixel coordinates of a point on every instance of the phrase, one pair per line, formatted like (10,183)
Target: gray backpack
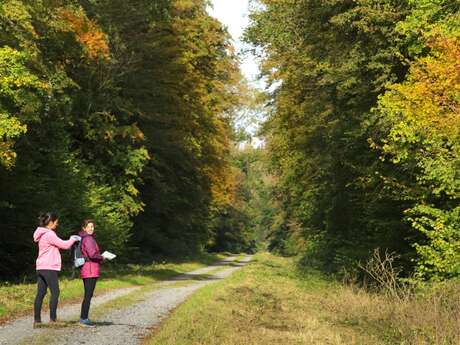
(77,255)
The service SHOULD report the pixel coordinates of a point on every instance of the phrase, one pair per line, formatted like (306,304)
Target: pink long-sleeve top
(49,244)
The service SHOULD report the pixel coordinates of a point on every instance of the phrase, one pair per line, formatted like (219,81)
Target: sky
(234,15)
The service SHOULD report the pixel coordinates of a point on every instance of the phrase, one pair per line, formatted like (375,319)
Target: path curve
(127,325)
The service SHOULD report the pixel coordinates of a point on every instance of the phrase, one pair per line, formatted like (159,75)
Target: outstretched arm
(57,242)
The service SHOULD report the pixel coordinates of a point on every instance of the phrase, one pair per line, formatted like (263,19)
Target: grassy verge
(139,295)
(430,316)
(264,303)
(49,335)
(17,299)
(269,302)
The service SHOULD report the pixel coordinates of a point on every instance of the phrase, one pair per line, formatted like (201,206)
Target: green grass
(49,336)
(139,295)
(267,302)
(17,299)
(271,302)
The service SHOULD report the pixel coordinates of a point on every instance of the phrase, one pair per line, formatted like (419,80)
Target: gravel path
(124,326)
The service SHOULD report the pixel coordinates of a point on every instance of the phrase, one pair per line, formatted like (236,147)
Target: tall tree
(329,61)
(115,110)
(421,118)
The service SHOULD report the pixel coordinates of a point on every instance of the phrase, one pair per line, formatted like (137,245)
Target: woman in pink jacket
(90,270)
(48,263)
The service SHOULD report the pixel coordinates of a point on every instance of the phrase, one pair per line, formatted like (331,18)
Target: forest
(363,131)
(127,112)
(119,111)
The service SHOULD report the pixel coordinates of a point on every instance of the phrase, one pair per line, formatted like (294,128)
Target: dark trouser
(90,285)
(46,279)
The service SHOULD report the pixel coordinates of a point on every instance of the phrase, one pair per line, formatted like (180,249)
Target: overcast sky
(234,15)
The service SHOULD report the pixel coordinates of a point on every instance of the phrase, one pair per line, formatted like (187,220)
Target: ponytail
(45,218)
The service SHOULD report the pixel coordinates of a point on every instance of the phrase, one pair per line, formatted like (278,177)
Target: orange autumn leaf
(87,33)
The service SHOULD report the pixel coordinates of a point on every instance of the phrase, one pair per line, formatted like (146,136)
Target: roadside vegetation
(271,301)
(17,298)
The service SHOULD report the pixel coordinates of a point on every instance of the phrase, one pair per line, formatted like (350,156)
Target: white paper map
(108,255)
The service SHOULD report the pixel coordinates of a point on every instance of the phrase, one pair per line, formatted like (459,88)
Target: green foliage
(118,111)
(244,223)
(20,92)
(427,18)
(424,137)
(332,60)
(439,254)
(349,74)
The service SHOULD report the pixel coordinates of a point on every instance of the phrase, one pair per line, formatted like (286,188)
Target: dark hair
(45,218)
(86,222)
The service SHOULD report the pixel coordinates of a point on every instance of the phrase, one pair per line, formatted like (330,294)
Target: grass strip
(266,302)
(49,336)
(17,299)
(140,295)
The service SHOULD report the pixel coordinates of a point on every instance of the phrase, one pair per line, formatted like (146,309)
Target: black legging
(45,279)
(89,284)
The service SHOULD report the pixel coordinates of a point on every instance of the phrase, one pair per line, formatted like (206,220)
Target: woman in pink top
(48,263)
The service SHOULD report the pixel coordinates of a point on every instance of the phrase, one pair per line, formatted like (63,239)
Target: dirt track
(125,326)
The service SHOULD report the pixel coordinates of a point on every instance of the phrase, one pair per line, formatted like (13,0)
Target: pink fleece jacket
(49,244)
